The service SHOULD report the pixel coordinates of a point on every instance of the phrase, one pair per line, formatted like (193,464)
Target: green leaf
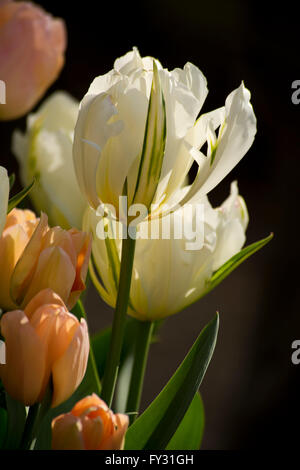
(154,429)
(100,344)
(235,261)
(90,384)
(16,417)
(12,179)
(153,146)
(15,200)
(190,431)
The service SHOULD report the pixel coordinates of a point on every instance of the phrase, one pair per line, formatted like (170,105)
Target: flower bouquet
(118,184)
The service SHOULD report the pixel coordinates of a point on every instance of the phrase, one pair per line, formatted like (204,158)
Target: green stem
(118,327)
(34,418)
(30,426)
(143,339)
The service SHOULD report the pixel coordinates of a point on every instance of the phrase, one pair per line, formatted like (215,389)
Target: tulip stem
(34,418)
(141,349)
(30,426)
(119,321)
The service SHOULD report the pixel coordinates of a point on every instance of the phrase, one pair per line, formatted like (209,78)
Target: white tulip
(166,276)
(109,134)
(4,193)
(45,152)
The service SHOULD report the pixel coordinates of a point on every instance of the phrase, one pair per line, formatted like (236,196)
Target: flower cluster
(111,184)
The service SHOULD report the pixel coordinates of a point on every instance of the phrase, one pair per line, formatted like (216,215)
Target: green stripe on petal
(153,145)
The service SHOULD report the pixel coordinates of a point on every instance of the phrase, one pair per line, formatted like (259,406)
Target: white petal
(230,241)
(92,128)
(235,138)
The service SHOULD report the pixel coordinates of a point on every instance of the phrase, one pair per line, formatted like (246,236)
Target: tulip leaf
(153,145)
(154,429)
(235,261)
(16,417)
(100,344)
(12,179)
(189,433)
(15,200)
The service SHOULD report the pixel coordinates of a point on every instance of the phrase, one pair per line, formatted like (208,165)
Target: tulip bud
(32,46)
(34,257)
(90,425)
(44,152)
(44,342)
(172,267)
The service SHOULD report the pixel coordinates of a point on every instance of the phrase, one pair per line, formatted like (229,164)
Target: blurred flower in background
(32,46)
(90,425)
(168,277)
(44,152)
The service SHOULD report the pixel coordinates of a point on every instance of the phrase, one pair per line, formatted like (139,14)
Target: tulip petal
(153,147)
(236,135)
(54,270)
(12,244)
(23,373)
(44,297)
(67,433)
(118,438)
(68,371)
(89,140)
(82,243)
(26,265)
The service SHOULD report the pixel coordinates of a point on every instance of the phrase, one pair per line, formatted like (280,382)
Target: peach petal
(23,373)
(26,265)
(54,270)
(66,433)
(44,297)
(12,245)
(69,370)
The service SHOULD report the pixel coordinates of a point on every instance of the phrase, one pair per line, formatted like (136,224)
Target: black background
(251,390)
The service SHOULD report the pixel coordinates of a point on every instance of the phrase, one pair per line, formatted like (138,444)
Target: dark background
(251,390)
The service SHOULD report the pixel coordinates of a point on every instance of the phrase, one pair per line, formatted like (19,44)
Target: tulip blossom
(4,193)
(32,46)
(34,257)
(44,342)
(170,273)
(90,425)
(44,152)
(110,142)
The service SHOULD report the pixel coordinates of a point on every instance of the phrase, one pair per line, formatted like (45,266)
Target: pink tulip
(32,46)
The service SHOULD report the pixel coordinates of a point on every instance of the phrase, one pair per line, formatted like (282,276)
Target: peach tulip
(90,425)
(32,46)
(34,257)
(43,342)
